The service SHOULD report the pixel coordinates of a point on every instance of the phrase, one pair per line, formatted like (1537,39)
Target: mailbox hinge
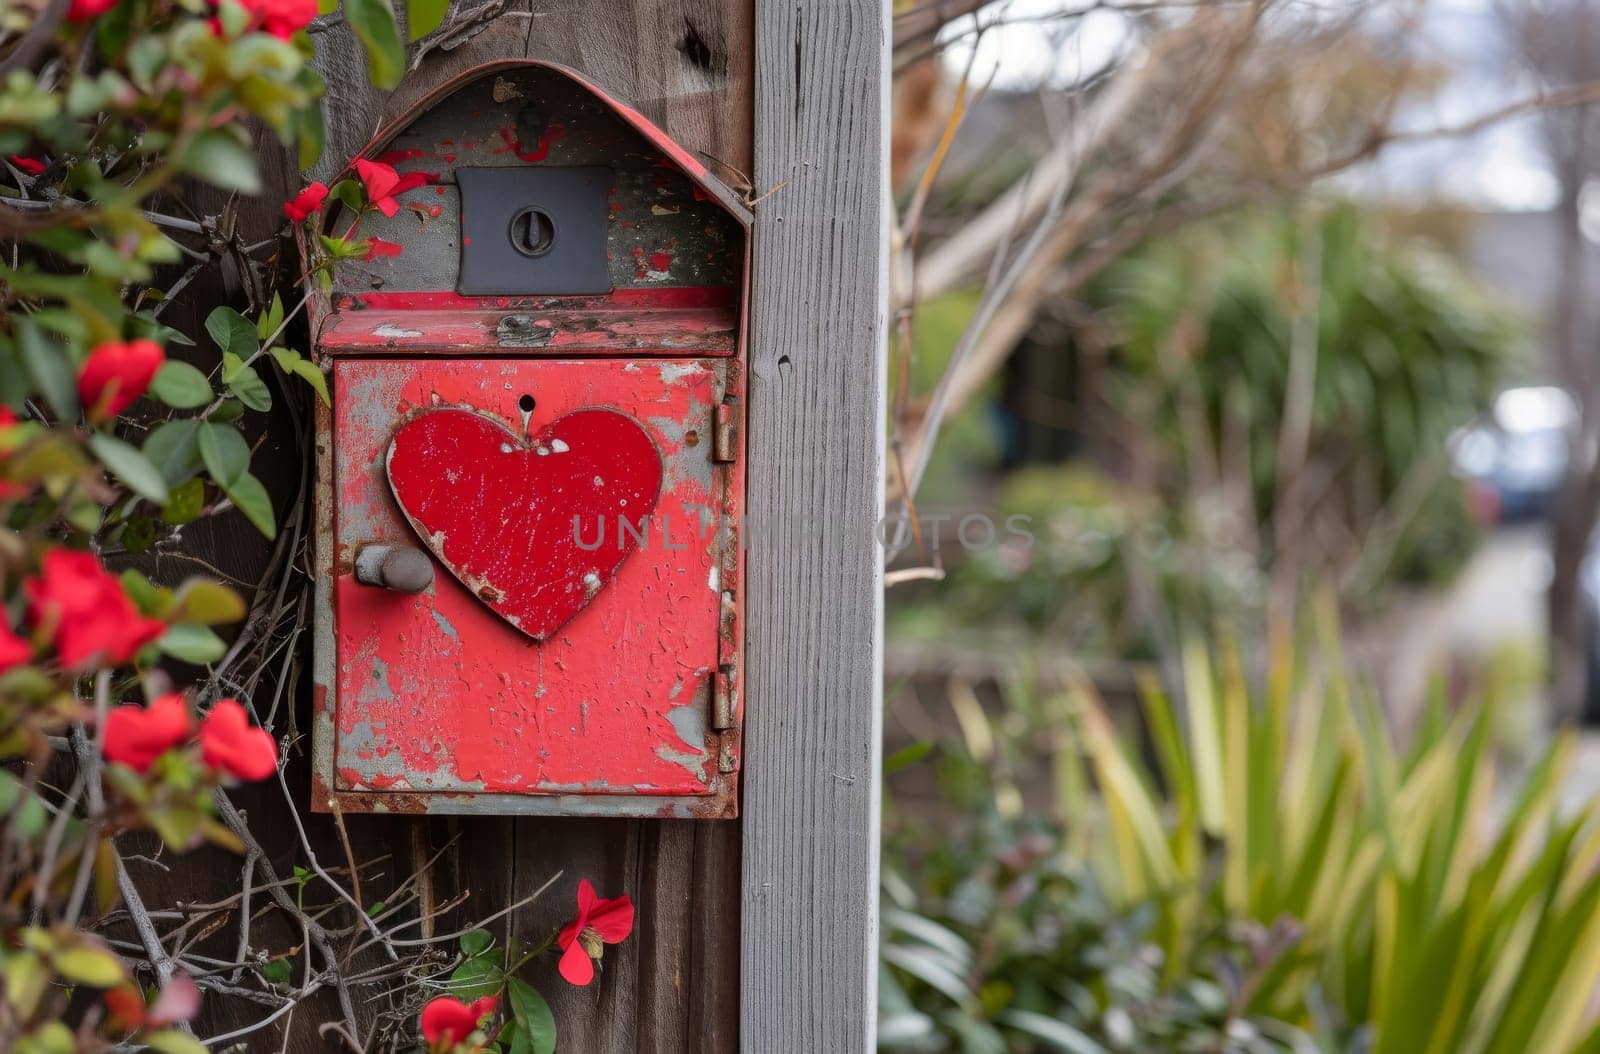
(725,433)
(724,699)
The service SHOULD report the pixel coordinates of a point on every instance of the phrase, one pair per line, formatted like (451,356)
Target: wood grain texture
(685,64)
(815,494)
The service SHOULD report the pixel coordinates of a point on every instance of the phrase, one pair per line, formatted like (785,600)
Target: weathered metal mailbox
(531,476)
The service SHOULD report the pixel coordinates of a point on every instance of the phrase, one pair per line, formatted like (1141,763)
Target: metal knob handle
(396,567)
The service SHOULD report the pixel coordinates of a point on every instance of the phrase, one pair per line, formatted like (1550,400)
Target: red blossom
(136,735)
(114,376)
(86,612)
(447,1021)
(14,650)
(9,488)
(31,165)
(178,1001)
(84,10)
(282,18)
(306,202)
(599,922)
(228,742)
(383,184)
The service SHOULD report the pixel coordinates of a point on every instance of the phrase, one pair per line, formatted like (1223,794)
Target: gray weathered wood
(815,494)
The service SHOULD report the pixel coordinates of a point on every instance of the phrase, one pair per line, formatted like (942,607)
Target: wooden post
(815,494)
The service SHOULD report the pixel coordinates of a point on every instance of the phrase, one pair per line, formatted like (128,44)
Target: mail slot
(530,478)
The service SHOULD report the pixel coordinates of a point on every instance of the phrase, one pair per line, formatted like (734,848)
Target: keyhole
(525,404)
(533,232)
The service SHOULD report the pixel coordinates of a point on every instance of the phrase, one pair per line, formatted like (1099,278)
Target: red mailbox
(530,480)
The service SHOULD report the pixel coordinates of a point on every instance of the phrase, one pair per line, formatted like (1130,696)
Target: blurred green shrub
(1406,349)
(1264,869)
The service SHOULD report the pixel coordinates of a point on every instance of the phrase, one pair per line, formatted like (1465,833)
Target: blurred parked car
(1514,460)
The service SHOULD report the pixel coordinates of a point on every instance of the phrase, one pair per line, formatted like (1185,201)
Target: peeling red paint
(552,134)
(377,247)
(394,157)
(433,702)
(437,689)
(653,298)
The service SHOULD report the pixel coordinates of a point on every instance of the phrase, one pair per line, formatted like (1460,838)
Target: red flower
(306,202)
(14,651)
(9,488)
(178,1001)
(84,10)
(86,612)
(599,922)
(31,165)
(114,376)
(136,735)
(447,1021)
(229,742)
(282,18)
(383,183)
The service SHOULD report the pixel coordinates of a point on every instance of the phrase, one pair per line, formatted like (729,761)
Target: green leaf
(208,603)
(50,369)
(296,364)
(233,333)
(516,1041)
(475,979)
(349,192)
(31,817)
(193,644)
(278,971)
(181,386)
(425,16)
(225,453)
(251,498)
(130,466)
(95,967)
(251,389)
(52,1037)
(148,597)
(373,22)
(172,447)
(220,159)
(906,756)
(312,374)
(137,534)
(533,1016)
(171,1041)
(228,412)
(476,942)
(1056,1034)
(271,318)
(186,502)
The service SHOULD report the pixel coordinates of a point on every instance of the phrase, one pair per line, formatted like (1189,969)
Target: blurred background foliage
(1141,797)
(1142,434)
(1268,871)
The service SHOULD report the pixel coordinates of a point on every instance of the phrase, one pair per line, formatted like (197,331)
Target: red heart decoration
(516,519)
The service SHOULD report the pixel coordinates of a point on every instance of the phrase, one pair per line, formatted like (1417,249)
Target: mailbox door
(575,636)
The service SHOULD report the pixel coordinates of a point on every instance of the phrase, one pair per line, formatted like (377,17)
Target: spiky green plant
(1445,912)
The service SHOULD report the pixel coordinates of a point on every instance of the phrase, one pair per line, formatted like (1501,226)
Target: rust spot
(490,594)
(691,438)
